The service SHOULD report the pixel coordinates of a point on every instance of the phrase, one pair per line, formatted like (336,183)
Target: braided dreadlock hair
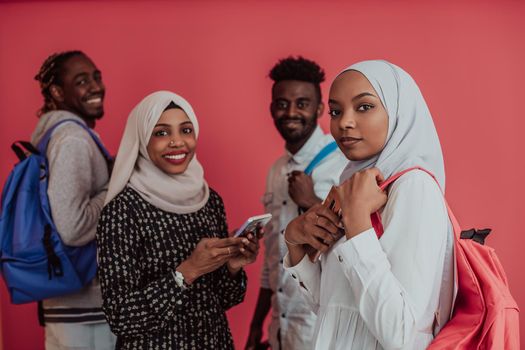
(301,69)
(50,73)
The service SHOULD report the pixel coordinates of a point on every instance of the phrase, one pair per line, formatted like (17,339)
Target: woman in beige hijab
(168,270)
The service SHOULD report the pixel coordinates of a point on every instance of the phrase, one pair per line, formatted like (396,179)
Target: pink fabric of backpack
(485,315)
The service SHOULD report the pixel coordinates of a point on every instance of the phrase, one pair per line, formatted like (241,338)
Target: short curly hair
(298,68)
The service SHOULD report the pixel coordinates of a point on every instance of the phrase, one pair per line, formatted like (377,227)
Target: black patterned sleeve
(132,307)
(232,289)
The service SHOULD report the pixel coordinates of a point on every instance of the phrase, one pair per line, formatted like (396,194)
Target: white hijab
(182,193)
(412,139)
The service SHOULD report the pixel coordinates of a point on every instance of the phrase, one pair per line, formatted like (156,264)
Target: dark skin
(81,90)
(263,306)
(295,109)
(212,253)
(174,132)
(319,226)
(301,189)
(359,124)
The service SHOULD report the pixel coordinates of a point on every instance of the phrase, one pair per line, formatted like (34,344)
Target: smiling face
(359,122)
(80,90)
(295,108)
(172,144)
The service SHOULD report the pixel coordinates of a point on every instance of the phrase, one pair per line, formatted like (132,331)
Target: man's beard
(298,135)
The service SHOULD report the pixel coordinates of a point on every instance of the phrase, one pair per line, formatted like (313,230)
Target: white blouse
(387,293)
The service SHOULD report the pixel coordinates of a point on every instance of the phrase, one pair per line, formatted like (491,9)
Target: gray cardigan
(78,179)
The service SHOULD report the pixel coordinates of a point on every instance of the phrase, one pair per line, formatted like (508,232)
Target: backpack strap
(323,153)
(40,313)
(22,148)
(376,218)
(42,145)
(396,176)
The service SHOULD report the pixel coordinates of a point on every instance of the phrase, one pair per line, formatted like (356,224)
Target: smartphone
(251,224)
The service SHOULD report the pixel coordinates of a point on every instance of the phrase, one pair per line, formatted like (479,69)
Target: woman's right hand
(360,197)
(318,228)
(208,256)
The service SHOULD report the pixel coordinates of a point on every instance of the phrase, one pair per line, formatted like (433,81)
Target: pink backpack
(485,315)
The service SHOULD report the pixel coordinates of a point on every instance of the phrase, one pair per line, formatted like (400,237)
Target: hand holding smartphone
(252,224)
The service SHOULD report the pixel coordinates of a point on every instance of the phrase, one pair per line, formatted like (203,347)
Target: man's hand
(254,338)
(264,301)
(301,189)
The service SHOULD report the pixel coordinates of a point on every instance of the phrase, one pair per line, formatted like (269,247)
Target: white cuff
(305,271)
(362,257)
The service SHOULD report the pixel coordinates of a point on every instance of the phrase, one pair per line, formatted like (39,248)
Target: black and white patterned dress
(139,246)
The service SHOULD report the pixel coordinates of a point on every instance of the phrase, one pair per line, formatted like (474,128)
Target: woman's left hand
(360,197)
(246,255)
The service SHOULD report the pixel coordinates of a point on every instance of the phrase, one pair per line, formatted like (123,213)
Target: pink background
(466,56)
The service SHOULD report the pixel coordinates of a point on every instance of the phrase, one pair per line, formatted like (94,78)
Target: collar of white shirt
(310,148)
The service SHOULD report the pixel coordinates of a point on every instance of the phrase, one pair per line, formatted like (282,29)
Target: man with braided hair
(295,108)
(72,88)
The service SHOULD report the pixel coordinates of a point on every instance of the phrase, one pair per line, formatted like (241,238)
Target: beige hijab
(182,193)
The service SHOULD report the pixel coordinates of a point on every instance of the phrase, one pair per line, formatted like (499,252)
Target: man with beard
(72,88)
(295,108)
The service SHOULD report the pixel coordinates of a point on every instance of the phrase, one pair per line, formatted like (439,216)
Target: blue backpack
(35,264)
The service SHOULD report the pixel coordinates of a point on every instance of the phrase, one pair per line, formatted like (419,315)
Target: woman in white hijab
(370,293)
(168,270)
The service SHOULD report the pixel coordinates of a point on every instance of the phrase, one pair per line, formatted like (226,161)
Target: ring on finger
(229,251)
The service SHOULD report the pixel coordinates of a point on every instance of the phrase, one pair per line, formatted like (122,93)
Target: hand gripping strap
(377,219)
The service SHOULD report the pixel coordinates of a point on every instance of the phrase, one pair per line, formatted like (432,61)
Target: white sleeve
(308,277)
(395,279)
